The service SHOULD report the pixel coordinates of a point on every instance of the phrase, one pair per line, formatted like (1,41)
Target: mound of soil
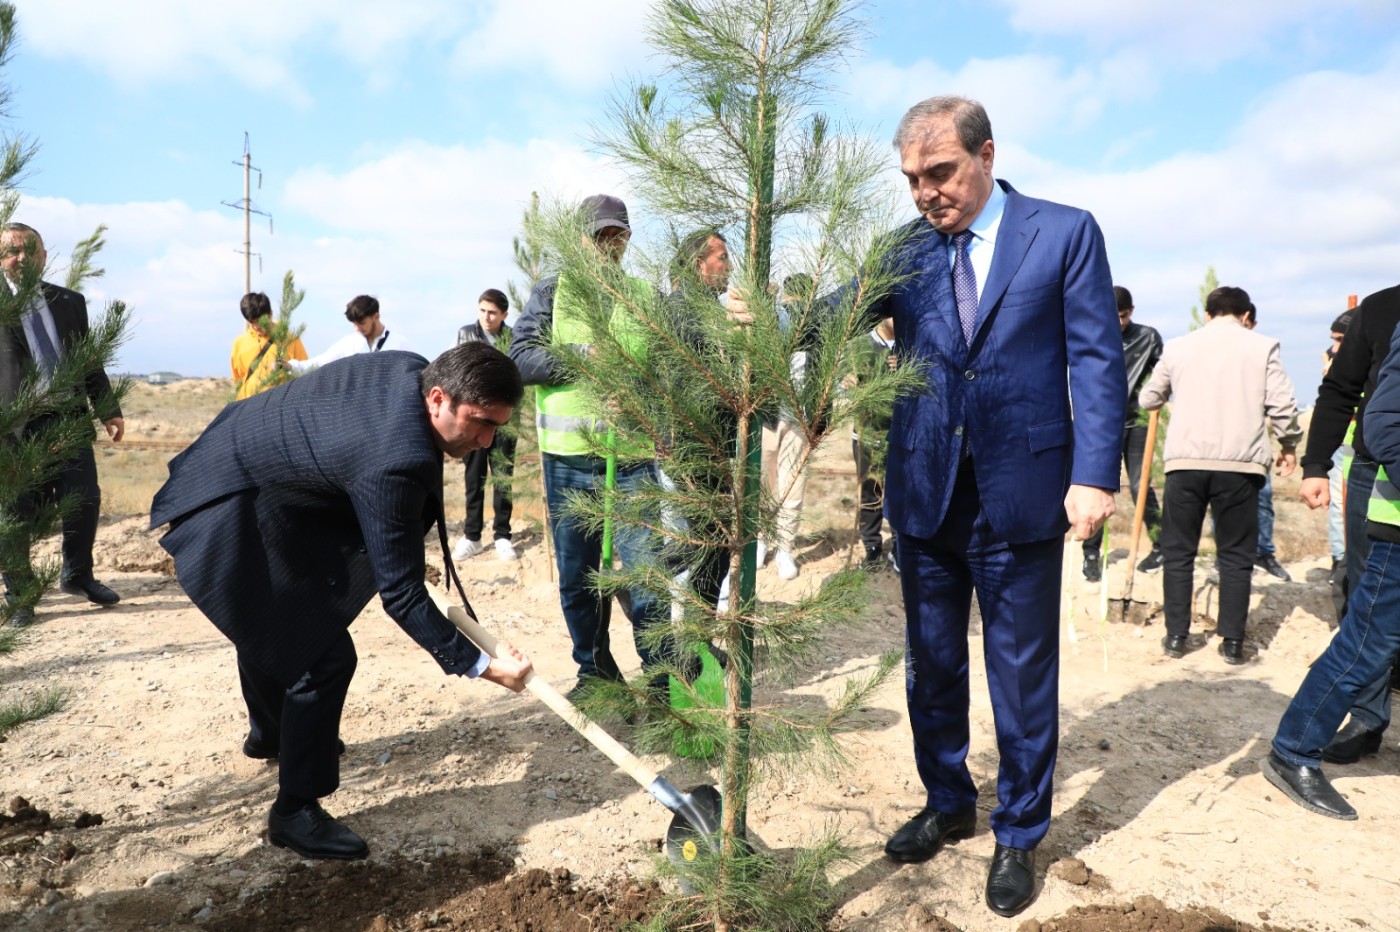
(465,892)
(1144,914)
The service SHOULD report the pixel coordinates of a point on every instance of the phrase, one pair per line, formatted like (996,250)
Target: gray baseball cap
(605,211)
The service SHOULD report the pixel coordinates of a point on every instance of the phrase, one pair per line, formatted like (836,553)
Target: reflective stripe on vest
(1384,506)
(564,415)
(573,425)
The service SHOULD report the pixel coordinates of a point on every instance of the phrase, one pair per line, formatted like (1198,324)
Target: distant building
(164,378)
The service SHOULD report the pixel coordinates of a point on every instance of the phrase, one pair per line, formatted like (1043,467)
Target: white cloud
(423,228)
(1064,96)
(147,40)
(560,40)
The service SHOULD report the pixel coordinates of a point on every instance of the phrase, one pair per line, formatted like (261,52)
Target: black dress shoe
(1308,787)
(920,838)
(269,750)
(1011,881)
(312,833)
(1269,564)
(90,589)
(1353,742)
(1174,645)
(1232,649)
(22,618)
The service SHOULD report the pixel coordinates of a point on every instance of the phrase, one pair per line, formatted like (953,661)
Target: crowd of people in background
(1040,388)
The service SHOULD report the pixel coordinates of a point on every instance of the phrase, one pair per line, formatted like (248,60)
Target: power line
(249,208)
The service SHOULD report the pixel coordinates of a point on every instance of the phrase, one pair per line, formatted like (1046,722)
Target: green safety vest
(563,413)
(1384,506)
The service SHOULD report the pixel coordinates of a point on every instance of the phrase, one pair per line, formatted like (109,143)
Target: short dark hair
(970,121)
(361,307)
(1252,315)
(1123,296)
(694,247)
(14,226)
(474,373)
(255,306)
(497,297)
(1228,300)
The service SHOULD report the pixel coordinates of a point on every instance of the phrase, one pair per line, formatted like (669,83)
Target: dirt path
(1158,790)
(484,812)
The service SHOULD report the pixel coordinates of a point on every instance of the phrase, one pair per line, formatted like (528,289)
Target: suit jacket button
(969,375)
(957,431)
(330,581)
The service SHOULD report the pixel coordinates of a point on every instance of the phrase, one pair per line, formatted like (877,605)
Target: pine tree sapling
(732,145)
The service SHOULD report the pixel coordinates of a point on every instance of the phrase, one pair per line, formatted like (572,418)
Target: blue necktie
(41,347)
(965,285)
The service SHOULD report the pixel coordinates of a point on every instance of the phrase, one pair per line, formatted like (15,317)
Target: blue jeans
(578,553)
(1266,515)
(1371,707)
(1336,520)
(1360,652)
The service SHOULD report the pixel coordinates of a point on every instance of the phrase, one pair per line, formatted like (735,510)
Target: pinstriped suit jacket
(296,505)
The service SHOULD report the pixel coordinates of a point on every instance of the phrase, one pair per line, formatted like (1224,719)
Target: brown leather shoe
(920,838)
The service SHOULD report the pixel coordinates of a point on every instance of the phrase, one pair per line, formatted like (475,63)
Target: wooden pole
(247,221)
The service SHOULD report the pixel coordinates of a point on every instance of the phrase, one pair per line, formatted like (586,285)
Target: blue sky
(400,142)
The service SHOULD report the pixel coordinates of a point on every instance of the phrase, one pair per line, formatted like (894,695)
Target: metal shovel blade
(695,826)
(697,813)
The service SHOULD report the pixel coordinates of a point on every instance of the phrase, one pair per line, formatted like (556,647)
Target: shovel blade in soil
(695,827)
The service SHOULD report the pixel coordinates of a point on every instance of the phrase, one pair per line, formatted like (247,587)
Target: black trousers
(1233,499)
(1134,448)
(872,497)
(478,463)
(303,721)
(78,478)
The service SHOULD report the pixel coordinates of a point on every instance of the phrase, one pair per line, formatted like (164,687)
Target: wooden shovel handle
(628,762)
(1143,481)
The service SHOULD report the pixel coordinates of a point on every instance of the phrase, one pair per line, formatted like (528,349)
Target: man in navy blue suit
(1009,306)
(296,506)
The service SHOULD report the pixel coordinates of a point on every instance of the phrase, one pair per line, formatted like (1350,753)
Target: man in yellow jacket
(254,358)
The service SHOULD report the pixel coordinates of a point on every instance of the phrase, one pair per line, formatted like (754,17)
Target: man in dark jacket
(286,516)
(499,457)
(55,321)
(1369,634)
(1142,347)
(1342,397)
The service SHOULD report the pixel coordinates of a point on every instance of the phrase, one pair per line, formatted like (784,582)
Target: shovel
(602,640)
(697,813)
(1125,603)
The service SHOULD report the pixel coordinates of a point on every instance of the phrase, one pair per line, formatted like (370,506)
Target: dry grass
(179,412)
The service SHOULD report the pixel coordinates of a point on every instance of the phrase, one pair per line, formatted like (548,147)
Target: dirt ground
(484,811)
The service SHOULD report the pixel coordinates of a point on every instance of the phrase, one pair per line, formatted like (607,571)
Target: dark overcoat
(296,506)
